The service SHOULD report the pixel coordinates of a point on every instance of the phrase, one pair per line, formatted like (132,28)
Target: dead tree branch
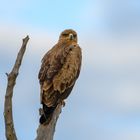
(46,132)
(11,77)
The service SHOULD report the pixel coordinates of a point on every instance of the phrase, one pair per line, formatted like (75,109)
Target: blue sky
(105,103)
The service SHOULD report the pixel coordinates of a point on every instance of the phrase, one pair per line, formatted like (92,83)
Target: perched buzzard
(59,71)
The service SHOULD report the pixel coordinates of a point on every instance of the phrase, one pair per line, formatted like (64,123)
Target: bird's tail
(47,114)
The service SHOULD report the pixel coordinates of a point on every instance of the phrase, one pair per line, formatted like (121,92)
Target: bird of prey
(59,71)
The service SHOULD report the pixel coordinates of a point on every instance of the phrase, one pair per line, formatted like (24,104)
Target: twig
(46,132)
(9,124)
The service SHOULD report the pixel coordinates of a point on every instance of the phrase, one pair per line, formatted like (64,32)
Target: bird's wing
(59,70)
(52,62)
(68,74)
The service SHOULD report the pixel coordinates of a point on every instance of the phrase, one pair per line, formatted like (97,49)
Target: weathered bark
(11,77)
(46,132)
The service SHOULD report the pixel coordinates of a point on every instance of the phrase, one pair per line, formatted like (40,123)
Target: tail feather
(47,114)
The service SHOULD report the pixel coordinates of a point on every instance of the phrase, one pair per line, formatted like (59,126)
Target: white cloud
(12,35)
(127,96)
(116,54)
(128,135)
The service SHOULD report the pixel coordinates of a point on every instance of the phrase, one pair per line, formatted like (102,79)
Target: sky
(105,102)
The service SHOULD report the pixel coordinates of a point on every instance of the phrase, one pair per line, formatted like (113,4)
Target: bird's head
(68,35)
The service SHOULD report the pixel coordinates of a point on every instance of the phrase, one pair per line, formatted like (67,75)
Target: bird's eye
(65,35)
(74,36)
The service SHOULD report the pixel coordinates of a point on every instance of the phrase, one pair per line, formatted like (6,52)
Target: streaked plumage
(59,70)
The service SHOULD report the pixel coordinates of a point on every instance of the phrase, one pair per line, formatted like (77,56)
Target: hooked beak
(71,37)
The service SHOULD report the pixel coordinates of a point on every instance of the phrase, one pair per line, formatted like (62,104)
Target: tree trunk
(46,132)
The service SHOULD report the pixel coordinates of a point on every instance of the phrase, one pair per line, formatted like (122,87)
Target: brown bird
(58,73)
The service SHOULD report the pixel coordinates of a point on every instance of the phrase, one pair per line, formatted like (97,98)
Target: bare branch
(46,132)
(11,77)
